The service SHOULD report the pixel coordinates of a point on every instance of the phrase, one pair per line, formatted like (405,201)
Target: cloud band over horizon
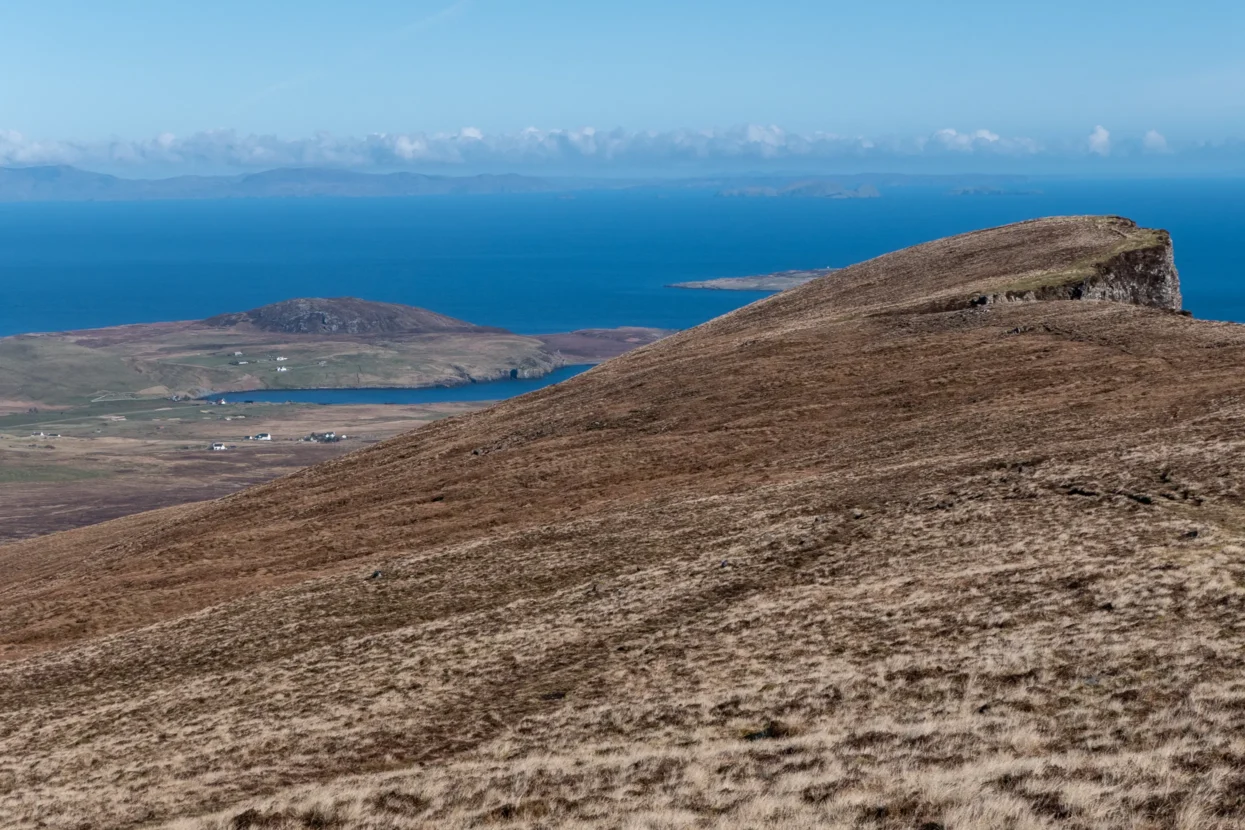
(588,150)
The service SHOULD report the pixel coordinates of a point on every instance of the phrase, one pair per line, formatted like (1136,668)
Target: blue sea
(535,263)
(490,391)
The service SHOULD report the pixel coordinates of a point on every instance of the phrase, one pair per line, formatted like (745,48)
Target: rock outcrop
(1113,260)
(1143,275)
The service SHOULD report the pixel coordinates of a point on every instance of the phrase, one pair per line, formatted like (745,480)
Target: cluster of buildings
(330,437)
(220,446)
(278,359)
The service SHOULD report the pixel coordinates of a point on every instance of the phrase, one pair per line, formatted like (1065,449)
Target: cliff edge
(1140,269)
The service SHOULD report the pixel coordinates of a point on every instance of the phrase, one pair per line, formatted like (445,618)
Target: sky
(172,85)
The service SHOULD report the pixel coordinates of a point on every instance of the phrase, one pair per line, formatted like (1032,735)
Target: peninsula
(342,342)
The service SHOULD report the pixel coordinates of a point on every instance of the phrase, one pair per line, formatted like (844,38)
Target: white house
(219,446)
(279,359)
(263,436)
(283,368)
(237,354)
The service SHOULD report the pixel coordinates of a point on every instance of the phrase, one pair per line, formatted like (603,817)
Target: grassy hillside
(52,371)
(851,556)
(190,359)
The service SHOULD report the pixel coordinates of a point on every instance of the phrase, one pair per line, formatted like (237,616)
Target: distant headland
(306,343)
(63,183)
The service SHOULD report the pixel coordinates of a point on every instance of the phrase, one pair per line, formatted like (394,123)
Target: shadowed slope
(841,557)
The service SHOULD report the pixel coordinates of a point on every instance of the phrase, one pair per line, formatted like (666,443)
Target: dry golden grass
(824,562)
(95,470)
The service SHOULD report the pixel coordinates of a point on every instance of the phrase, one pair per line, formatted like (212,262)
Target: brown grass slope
(889,550)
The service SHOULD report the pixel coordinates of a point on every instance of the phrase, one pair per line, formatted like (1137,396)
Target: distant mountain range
(64,183)
(69,184)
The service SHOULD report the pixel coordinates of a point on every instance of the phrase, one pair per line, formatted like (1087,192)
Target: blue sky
(110,84)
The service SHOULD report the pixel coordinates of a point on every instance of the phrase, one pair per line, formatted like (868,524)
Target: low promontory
(305,343)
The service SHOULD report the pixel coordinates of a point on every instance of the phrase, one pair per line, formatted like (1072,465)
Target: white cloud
(1154,142)
(745,147)
(955,140)
(1100,141)
(468,146)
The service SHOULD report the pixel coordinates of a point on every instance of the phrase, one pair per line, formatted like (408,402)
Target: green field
(156,362)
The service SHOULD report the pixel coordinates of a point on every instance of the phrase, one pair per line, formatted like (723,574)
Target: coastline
(472,391)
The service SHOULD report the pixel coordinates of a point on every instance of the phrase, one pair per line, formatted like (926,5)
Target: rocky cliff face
(1141,274)
(1146,276)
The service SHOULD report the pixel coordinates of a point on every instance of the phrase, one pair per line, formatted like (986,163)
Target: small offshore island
(778,281)
(807,189)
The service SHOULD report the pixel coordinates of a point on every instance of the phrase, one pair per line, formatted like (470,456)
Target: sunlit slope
(923,542)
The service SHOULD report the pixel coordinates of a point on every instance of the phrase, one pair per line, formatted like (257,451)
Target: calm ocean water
(491,391)
(534,264)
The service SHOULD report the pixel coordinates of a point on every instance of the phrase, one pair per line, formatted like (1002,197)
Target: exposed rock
(1142,275)
(1139,270)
